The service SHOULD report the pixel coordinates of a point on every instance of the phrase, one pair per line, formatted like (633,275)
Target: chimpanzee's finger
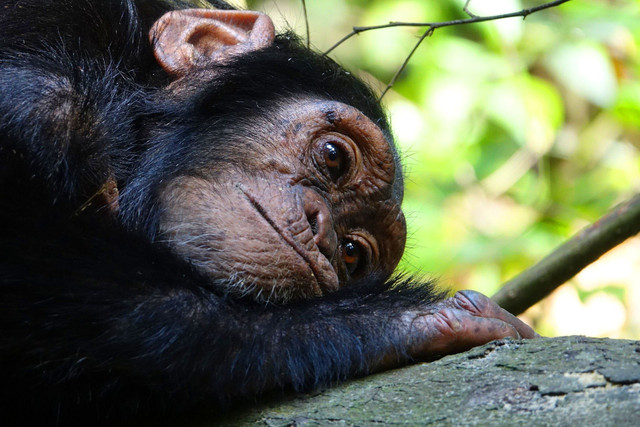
(483,306)
(452,330)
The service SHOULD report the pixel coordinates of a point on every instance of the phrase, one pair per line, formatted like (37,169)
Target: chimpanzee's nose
(321,222)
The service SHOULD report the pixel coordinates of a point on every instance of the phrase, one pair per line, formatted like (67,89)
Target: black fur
(98,322)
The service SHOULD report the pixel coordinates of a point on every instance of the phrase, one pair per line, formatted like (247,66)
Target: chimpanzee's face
(309,203)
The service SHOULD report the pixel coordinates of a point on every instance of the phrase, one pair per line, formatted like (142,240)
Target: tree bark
(550,381)
(535,283)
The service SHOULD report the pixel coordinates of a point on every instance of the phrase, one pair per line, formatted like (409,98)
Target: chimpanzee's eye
(352,255)
(335,160)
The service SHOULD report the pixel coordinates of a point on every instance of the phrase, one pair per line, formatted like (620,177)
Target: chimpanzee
(194,210)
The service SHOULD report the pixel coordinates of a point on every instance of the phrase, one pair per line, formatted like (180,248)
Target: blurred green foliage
(516,133)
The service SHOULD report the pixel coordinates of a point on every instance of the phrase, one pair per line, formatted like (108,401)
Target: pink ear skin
(184,39)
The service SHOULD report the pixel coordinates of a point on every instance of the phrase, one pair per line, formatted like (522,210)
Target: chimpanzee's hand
(466,320)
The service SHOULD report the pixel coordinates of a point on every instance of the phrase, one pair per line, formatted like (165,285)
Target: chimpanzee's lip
(320,286)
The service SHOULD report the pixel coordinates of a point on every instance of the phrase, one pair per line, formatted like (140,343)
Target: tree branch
(432,26)
(566,261)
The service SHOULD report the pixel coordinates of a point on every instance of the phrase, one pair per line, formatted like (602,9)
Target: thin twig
(570,258)
(435,25)
(306,22)
(404,64)
(466,10)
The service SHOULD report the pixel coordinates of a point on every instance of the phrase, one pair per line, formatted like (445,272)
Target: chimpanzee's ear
(183,39)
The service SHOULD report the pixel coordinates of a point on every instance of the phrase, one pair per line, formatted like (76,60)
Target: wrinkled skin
(466,320)
(296,214)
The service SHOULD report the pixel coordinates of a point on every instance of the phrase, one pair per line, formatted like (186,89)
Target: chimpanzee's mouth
(323,282)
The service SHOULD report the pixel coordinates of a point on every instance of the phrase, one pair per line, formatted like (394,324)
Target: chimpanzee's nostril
(313,222)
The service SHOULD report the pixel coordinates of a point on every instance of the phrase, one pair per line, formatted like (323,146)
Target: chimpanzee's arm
(96,322)
(93,319)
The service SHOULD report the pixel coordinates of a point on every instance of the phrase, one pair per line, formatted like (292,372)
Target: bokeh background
(516,134)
